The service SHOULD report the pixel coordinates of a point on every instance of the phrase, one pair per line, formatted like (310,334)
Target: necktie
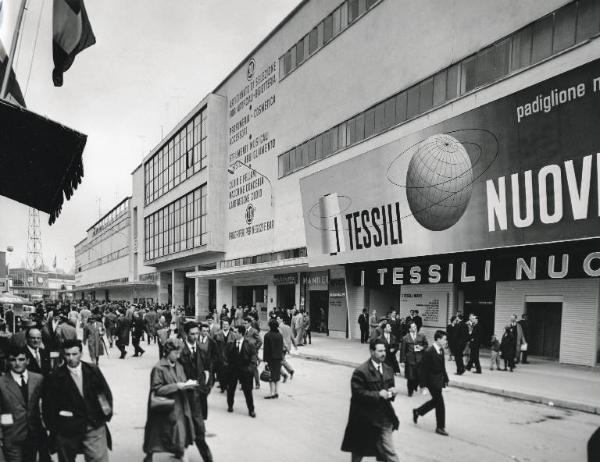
(239,345)
(194,349)
(24,387)
(37,357)
(379,369)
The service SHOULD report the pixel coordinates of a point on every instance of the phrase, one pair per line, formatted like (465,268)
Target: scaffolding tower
(35,261)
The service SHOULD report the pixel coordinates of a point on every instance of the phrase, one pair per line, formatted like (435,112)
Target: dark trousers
(436,402)
(137,349)
(474,359)
(195,399)
(21,452)
(458,358)
(510,363)
(245,379)
(412,385)
(121,348)
(364,335)
(523,356)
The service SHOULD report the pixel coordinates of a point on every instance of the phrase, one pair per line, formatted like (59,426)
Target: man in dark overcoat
(372,418)
(123,330)
(413,345)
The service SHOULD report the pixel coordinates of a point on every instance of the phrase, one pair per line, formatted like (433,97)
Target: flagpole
(13,48)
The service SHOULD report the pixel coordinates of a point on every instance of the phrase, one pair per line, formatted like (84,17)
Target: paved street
(307,422)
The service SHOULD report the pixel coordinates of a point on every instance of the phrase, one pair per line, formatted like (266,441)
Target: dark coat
(508,344)
(222,341)
(475,337)
(418,320)
(461,337)
(61,396)
(241,361)
(27,422)
(410,357)
(33,366)
(170,431)
(123,329)
(391,349)
(273,347)
(194,368)
(369,412)
(433,369)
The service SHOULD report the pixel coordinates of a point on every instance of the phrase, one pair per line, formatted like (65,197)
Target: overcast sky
(153,61)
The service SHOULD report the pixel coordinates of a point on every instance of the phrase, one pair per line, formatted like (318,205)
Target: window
(328,29)
(564,28)
(439,87)
(521,48)
(412,102)
(426,95)
(588,19)
(312,41)
(542,39)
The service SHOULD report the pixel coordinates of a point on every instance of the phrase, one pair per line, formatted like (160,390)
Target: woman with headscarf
(273,355)
(171,428)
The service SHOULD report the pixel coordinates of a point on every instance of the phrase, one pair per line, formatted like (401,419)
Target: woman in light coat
(93,336)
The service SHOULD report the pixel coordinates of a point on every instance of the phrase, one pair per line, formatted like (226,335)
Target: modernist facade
(40,285)
(107,262)
(349,162)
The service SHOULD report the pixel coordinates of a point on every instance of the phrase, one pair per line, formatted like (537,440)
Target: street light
(231,171)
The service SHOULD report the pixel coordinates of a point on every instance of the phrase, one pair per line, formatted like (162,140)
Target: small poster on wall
(432,306)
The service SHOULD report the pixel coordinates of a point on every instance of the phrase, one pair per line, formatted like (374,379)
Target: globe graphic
(439,182)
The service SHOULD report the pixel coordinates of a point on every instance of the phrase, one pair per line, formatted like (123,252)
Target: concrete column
(177,287)
(201,298)
(164,280)
(224,293)
(297,295)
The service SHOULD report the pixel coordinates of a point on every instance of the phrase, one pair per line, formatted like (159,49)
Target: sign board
(432,306)
(524,169)
(338,308)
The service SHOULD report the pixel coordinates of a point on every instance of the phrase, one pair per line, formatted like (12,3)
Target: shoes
(229,409)
(252,414)
(135,355)
(143,351)
(459,373)
(285,377)
(441,431)
(415,415)
(257,387)
(269,396)
(410,393)
(477,372)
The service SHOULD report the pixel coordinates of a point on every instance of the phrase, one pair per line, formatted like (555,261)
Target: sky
(153,61)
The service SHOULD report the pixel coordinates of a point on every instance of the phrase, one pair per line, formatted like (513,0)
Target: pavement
(541,381)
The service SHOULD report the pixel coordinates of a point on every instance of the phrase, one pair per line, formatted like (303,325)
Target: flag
(54,262)
(13,91)
(72,33)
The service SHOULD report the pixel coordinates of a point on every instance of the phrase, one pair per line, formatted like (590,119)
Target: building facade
(40,285)
(393,154)
(107,261)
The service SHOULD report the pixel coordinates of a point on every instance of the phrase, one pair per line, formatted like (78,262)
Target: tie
(78,381)
(239,345)
(37,357)
(379,369)
(194,349)
(24,387)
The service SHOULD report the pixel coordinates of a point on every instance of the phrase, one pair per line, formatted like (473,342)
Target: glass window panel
(299,52)
(350,132)
(412,104)
(370,122)
(352,10)
(336,21)
(327,144)
(281,68)
(389,113)
(521,48)
(588,19)
(439,88)
(334,139)
(564,27)
(312,41)
(401,107)
(293,57)
(292,156)
(320,35)
(319,147)
(287,62)
(284,164)
(344,15)
(362,6)
(542,39)
(306,46)
(379,117)
(342,136)
(359,127)
(370,3)
(468,74)
(328,28)
(492,63)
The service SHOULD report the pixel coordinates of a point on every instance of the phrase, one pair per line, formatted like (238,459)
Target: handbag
(524,346)
(161,403)
(265,375)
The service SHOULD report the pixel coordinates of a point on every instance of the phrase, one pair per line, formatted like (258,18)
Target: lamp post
(9,249)
(231,170)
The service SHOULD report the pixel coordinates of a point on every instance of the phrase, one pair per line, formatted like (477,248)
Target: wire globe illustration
(439,182)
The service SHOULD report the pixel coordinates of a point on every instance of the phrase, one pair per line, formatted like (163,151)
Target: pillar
(177,287)
(224,293)
(164,279)
(201,296)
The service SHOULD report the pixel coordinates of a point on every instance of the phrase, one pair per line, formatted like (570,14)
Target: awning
(298,264)
(40,160)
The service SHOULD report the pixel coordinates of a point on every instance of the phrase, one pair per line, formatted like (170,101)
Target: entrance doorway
(318,299)
(480,299)
(286,296)
(544,328)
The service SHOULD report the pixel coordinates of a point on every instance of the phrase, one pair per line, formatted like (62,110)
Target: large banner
(523,169)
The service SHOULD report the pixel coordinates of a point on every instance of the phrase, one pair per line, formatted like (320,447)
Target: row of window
(117,254)
(179,226)
(121,226)
(111,217)
(263,258)
(343,16)
(571,24)
(178,159)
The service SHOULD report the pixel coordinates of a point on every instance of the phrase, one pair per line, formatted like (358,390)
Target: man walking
(517,332)
(461,338)
(411,354)
(22,435)
(240,364)
(433,369)
(474,343)
(192,361)
(123,329)
(372,418)
(77,404)
(524,323)
(253,335)
(223,338)
(288,341)
(38,358)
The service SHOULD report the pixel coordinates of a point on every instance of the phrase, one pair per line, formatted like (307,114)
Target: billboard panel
(524,169)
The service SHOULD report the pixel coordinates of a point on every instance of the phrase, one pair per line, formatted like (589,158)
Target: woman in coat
(273,355)
(93,333)
(507,347)
(171,430)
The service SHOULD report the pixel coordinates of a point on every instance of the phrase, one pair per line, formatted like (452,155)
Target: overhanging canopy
(40,160)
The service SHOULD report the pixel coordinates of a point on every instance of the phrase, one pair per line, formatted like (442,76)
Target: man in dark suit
(433,369)
(38,358)
(241,356)
(223,338)
(391,347)
(418,320)
(22,435)
(207,347)
(76,405)
(474,343)
(253,335)
(461,338)
(123,330)
(192,361)
(372,418)
(363,323)
(411,354)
